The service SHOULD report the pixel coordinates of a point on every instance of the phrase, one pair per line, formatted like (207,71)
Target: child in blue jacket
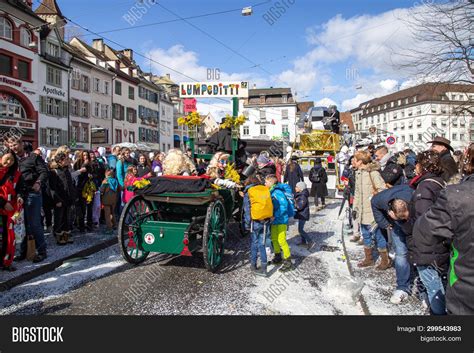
(280,222)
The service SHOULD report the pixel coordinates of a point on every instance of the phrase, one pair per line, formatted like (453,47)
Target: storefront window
(10,107)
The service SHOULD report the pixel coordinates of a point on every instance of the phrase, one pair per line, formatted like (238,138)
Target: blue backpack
(291,200)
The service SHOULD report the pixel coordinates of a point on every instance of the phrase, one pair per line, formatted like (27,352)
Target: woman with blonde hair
(177,163)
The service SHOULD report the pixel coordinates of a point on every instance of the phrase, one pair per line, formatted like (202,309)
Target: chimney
(98,44)
(128,53)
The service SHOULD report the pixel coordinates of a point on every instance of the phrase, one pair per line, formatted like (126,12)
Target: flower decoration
(233,122)
(231,173)
(191,120)
(140,184)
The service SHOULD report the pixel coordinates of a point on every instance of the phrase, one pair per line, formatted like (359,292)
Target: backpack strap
(442,185)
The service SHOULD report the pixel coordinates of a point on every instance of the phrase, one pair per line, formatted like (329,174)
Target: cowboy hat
(442,141)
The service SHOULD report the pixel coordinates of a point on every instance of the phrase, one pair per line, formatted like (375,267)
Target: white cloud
(388,85)
(325,102)
(217,110)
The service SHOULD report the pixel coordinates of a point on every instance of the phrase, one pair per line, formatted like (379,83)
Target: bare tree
(441,47)
(72,31)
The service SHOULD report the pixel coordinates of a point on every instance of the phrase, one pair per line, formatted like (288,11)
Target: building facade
(270,113)
(19,70)
(416,115)
(166,121)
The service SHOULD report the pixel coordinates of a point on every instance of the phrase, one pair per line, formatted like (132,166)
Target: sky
(330,52)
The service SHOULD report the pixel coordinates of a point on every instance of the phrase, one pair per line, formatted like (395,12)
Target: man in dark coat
(443,147)
(293,173)
(451,218)
(34,175)
(382,208)
(392,173)
(318,178)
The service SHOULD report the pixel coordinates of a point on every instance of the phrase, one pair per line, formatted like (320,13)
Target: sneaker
(287,265)
(398,296)
(277,259)
(39,258)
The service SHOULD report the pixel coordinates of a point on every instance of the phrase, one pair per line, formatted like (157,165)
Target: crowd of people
(419,208)
(410,211)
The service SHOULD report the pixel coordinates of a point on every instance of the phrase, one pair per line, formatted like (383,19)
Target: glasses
(223,161)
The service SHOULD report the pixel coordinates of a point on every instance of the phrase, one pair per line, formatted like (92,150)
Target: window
(5,29)
(262,115)
(53,107)
(96,85)
(399,102)
(84,109)
(284,114)
(5,64)
(418,111)
(284,129)
(443,109)
(410,112)
(131,92)
(461,137)
(410,137)
(414,99)
(284,98)
(418,123)
(420,137)
(85,84)
(131,115)
(395,115)
(25,37)
(118,88)
(246,130)
(106,88)
(403,137)
(392,104)
(96,109)
(118,136)
(402,126)
(53,76)
(74,107)
(406,101)
(462,122)
(76,80)
(444,123)
(164,147)
(53,49)
(84,137)
(10,107)
(23,70)
(455,122)
(410,124)
(263,129)
(105,111)
(433,123)
(395,127)
(403,113)
(454,136)
(434,109)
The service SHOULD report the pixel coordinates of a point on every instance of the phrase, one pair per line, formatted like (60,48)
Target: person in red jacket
(9,205)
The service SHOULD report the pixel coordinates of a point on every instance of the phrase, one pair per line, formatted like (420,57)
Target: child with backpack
(109,192)
(258,213)
(302,212)
(283,209)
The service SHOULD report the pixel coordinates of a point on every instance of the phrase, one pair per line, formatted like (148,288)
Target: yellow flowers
(191,120)
(89,191)
(231,122)
(231,173)
(140,184)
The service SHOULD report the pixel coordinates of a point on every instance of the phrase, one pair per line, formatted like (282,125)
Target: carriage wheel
(214,235)
(129,236)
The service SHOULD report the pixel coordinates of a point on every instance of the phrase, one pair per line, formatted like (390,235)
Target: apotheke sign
(55,91)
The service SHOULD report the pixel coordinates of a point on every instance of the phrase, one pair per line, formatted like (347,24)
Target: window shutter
(122,112)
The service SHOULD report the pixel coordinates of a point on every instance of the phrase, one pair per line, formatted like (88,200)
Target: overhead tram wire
(140,54)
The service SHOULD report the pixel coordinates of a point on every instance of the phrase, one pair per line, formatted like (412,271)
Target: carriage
(179,223)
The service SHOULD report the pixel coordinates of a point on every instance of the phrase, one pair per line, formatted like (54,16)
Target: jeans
(369,237)
(434,286)
(33,225)
(402,266)
(304,235)
(259,232)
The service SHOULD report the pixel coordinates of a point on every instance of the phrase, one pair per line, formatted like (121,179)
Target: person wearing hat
(443,147)
(265,166)
(293,173)
(302,212)
(318,178)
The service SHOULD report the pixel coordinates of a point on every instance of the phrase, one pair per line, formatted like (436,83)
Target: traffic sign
(391,140)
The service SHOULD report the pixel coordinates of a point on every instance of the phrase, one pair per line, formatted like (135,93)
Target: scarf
(113,183)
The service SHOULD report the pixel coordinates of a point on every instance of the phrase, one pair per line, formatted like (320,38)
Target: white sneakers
(398,296)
